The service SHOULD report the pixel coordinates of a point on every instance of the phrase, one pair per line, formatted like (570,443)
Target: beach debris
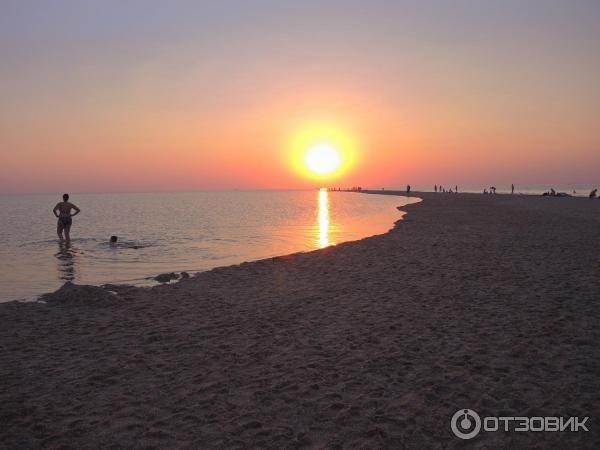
(166,277)
(79,294)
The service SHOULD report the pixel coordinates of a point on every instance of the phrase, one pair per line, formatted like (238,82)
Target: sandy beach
(484,302)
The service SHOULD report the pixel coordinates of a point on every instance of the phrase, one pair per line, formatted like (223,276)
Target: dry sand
(483,302)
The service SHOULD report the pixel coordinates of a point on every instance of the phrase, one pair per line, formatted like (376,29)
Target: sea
(173,232)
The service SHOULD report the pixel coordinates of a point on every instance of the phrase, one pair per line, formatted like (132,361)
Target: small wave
(124,245)
(55,241)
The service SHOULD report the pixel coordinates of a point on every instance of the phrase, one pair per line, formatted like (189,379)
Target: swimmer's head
(113,239)
(65,197)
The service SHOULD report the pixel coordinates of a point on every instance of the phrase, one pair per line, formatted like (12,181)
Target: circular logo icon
(466,424)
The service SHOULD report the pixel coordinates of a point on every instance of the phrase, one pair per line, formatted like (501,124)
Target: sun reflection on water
(323,219)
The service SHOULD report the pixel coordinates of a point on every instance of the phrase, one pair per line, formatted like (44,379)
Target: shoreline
(469,301)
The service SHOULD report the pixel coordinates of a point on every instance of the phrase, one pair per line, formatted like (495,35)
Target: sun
(322,159)
(321,150)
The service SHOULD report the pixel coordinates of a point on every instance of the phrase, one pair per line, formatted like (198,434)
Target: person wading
(62,211)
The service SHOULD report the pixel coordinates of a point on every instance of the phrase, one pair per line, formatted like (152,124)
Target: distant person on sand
(62,211)
(435,188)
(512,188)
(593,193)
(456,188)
(408,189)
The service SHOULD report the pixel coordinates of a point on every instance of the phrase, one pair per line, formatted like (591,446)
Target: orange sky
(165,101)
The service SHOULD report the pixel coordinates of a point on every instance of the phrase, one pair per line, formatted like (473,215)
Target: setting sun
(322,150)
(322,159)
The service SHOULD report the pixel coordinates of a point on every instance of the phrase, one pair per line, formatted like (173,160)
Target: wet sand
(483,302)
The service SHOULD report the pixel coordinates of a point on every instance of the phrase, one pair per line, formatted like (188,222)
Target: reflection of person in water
(62,211)
(66,262)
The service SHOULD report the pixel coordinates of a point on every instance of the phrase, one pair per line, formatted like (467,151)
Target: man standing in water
(62,210)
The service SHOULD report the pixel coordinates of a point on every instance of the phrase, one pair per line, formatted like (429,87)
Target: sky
(182,95)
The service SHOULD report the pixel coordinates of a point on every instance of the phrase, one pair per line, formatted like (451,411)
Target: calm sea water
(191,232)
